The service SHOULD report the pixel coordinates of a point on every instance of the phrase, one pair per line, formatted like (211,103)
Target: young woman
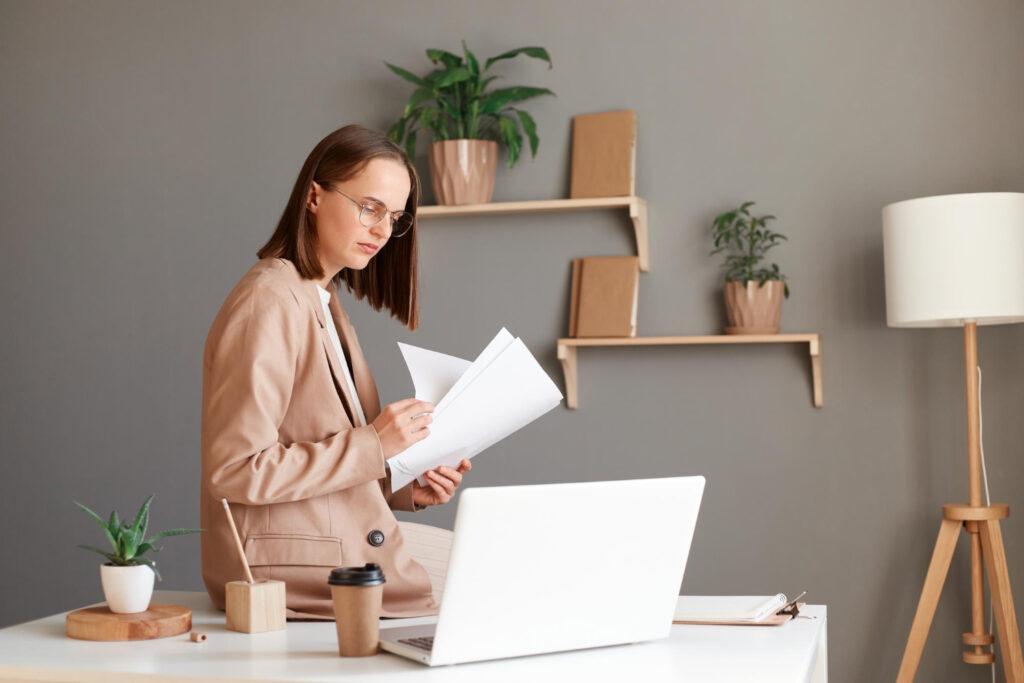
(293,435)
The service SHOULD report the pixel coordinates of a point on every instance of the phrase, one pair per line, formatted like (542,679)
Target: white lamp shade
(954,259)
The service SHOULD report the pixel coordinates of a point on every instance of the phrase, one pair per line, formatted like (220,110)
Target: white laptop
(556,567)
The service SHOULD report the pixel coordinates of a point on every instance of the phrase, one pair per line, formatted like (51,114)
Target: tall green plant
(452,102)
(129,540)
(745,239)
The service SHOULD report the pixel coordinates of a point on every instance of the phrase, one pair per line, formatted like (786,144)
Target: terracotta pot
(753,308)
(462,171)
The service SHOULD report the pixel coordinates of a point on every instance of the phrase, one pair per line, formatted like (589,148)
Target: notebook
(604,154)
(604,295)
(728,608)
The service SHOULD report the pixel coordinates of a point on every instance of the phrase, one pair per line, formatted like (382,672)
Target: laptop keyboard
(425,643)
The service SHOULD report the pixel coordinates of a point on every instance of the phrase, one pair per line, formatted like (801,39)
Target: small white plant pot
(127,589)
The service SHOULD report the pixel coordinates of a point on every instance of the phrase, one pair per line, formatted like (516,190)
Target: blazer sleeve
(400,499)
(251,368)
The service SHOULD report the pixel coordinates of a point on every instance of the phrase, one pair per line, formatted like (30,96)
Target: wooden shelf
(637,212)
(567,353)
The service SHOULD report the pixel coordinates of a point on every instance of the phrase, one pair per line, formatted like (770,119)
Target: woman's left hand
(441,485)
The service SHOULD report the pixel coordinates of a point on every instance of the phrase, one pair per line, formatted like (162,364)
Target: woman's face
(344,242)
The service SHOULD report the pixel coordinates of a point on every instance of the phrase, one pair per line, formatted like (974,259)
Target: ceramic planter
(753,308)
(127,589)
(462,171)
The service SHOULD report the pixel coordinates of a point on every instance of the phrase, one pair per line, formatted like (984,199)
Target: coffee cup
(357,593)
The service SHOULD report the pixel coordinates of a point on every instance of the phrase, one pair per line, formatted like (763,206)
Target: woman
(292,431)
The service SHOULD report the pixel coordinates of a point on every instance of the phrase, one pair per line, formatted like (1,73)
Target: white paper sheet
(500,392)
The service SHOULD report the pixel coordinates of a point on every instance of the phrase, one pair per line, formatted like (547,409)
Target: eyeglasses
(372,212)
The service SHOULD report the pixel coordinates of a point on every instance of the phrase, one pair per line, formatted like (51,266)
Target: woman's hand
(441,485)
(403,423)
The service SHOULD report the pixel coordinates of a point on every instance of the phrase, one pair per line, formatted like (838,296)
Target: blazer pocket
(292,549)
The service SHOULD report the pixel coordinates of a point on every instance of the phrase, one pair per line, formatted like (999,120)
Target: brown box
(255,607)
(605,292)
(604,155)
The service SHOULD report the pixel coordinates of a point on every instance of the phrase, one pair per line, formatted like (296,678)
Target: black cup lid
(368,575)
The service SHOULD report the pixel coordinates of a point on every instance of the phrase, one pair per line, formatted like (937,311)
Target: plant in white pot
(753,292)
(127,576)
(467,122)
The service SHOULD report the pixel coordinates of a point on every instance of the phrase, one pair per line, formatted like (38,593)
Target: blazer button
(376,538)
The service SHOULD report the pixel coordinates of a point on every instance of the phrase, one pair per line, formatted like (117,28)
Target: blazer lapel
(332,358)
(366,388)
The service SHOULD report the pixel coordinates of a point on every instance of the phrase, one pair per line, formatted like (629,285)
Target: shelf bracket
(638,214)
(815,345)
(567,355)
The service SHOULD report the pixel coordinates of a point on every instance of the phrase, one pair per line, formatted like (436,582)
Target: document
(476,404)
(728,608)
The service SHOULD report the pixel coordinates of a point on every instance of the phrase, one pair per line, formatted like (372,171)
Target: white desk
(308,651)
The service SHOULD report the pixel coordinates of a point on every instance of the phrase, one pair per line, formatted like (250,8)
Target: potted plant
(466,121)
(753,292)
(127,576)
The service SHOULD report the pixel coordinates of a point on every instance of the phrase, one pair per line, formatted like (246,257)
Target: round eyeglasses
(372,212)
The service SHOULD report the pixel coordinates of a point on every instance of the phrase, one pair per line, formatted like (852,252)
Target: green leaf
(145,547)
(471,61)
(535,52)
(106,529)
(410,146)
(420,95)
(455,74)
(530,128)
(110,556)
(445,57)
(407,76)
(499,99)
(142,519)
(513,140)
(397,132)
(173,532)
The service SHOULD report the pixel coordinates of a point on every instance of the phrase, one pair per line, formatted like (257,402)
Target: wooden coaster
(99,623)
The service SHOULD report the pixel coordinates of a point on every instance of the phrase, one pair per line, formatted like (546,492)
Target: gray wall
(148,149)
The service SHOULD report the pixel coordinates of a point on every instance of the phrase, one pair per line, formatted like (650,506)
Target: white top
(308,651)
(332,330)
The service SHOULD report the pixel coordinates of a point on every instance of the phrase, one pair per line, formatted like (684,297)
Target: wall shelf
(636,206)
(568,347)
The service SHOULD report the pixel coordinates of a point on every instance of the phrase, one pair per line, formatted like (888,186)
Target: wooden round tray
(99,623)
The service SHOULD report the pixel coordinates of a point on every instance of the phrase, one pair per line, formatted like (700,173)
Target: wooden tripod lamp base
(982,522)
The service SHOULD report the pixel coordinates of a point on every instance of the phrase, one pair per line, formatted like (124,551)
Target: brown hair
(390,278)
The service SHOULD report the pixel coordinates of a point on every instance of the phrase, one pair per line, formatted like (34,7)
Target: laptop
(555,567)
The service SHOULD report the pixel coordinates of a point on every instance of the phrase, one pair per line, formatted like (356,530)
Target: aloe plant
(129,540)
(746,240)
(452,102)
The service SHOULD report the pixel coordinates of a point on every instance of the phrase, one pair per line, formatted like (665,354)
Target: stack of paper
(475,404)
(728,608)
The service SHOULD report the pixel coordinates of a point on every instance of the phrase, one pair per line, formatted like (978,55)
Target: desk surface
(307,651)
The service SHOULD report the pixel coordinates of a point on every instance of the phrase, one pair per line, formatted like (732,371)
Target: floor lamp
(958,260)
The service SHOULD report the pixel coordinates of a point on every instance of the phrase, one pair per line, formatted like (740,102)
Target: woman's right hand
(403,423)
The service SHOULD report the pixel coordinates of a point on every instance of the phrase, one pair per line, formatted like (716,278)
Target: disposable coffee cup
(357,593)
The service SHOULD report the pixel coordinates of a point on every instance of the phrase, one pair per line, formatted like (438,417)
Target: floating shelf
(637,212)
(567,352)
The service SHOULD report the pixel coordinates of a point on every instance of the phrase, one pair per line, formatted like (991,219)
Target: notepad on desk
(728,609)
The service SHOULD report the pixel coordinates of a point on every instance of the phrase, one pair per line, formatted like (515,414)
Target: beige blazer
(308,490)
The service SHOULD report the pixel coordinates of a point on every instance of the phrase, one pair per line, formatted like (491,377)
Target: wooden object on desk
(252,606)
(604,295)
(637,212)
(603,154)
(567,353)
(255,607)
(99,623)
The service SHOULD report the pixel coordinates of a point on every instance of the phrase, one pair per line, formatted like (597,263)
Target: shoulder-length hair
(389,280)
